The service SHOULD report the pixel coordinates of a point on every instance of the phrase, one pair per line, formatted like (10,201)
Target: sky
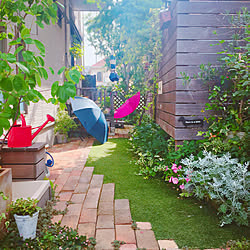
(90,56)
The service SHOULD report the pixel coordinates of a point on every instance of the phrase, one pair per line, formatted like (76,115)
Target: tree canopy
(130,30)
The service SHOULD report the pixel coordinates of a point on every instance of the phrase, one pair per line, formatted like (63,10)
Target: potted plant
(25,212)
(63,125)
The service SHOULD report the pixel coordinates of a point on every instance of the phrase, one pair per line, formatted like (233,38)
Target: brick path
(91,205)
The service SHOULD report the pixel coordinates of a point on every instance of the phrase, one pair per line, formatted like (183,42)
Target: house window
(99,77)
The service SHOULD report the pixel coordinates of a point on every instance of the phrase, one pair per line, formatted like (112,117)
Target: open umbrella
(128,107)
(91,117)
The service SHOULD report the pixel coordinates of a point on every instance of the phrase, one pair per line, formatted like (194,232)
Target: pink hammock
(128,107)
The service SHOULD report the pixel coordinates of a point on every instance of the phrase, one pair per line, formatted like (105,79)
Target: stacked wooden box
(26,163)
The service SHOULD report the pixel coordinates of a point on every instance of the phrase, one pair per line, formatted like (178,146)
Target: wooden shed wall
(186,45)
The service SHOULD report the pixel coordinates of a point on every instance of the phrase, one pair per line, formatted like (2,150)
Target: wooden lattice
(117,100)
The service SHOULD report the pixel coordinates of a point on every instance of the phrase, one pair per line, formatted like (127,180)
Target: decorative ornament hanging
(113,75)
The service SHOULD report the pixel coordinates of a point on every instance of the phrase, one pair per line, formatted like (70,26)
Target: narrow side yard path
(99,197)
(91,205)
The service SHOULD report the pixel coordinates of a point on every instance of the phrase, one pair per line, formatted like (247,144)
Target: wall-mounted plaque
(191,122)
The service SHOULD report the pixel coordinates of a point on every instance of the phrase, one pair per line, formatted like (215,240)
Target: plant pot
(61,138)
(27,225)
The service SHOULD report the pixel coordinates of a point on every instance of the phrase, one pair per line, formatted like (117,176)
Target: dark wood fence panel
(205,7)
(186,43)
(204,33)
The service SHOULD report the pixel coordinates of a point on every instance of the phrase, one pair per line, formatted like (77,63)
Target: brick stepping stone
(146,239)
(167,244)
(104,238)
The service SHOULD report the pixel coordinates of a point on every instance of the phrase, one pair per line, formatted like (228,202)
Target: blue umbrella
(91,117)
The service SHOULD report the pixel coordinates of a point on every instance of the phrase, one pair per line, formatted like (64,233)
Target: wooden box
(26,163)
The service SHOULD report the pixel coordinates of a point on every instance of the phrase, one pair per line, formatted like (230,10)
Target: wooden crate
(26,163)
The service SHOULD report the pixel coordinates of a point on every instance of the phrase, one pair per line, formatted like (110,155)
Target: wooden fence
(186,44)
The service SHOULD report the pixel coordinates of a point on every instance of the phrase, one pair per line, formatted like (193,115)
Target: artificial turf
(189,222)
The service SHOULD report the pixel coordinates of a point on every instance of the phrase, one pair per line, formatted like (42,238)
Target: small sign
(160,88)
(189,122)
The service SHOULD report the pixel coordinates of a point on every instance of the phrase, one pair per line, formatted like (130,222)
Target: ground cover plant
(189,222)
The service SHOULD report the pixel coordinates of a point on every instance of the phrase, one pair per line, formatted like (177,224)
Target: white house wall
(53,38)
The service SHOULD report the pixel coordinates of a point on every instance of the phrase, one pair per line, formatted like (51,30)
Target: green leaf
(18,50)
(61,93)
(25,33)
(22,67)
(70,89)
(54,88)
(4,123)
(32,97)
(38,94)
(10,36)
(40,24)
(6,84)
(28,56)
(11,58)
(11,101)
(32,83)
(75,75)
(52,71)
(19,83)
(15,42)
(28,41)
(41,61)
(44,73)
(38,79)
(40,46)
(61,70)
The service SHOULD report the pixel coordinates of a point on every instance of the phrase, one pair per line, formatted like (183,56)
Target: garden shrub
(150,144)
(222,179)
(155,149)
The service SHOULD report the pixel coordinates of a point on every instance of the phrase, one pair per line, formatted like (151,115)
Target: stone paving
(91,205)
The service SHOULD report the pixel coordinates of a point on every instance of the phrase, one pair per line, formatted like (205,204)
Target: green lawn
(188,222)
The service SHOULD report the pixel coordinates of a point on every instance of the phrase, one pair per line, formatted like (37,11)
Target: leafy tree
(130,30)
(21,69)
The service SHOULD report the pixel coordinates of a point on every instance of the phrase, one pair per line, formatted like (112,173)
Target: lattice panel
(141,103)
(118,102)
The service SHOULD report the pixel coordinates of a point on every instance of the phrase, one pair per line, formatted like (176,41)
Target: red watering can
(21,136)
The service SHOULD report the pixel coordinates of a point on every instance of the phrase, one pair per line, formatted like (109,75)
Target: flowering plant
(176,175)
